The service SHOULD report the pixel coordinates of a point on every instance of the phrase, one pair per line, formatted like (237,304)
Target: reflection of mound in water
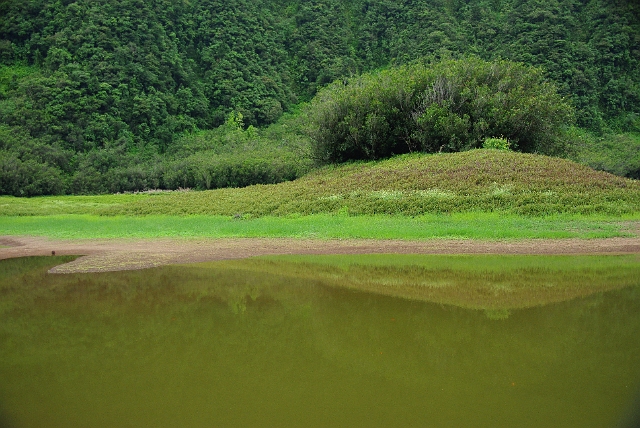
(450,350)
(497,314)
(492,283)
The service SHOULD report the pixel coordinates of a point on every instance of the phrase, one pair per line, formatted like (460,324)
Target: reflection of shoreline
(496,284)
(108,254)
(489,282)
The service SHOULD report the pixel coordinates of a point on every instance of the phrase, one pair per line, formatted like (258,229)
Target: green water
(249,344)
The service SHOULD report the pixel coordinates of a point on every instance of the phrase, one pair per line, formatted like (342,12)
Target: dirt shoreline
(102,255)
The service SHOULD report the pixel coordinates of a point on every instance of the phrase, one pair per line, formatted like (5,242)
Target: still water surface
(249,344)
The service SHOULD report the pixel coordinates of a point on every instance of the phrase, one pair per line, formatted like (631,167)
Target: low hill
(476,180)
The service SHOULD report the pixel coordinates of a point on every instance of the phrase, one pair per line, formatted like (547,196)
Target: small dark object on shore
(53,253)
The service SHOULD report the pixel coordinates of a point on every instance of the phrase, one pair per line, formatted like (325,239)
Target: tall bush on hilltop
(448,106)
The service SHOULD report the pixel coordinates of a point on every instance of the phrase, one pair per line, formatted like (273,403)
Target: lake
(323,341)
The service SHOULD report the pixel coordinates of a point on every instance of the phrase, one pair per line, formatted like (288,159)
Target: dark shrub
(449,106)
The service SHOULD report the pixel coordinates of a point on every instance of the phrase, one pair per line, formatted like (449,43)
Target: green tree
(450,105)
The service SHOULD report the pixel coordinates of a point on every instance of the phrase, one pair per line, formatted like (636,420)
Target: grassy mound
(477,180)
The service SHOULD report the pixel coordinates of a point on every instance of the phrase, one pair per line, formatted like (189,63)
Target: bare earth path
(121,254)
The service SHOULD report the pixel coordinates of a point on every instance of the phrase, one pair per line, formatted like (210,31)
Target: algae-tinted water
(239,344)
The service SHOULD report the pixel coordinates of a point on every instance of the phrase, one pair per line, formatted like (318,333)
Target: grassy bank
(477,180)
(480,194)
(322,226)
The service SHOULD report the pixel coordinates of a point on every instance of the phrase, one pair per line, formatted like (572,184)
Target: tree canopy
(450,105)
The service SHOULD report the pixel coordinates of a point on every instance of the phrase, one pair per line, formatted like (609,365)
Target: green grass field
(321,226)
(480,194)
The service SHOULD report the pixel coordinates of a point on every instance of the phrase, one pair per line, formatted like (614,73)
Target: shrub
(496,143)
(28,178)
(450,106)
(231,156)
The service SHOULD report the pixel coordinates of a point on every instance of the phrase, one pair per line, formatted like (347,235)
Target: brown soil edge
(102,255)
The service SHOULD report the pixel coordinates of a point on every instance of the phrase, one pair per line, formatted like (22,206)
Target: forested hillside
(116,95)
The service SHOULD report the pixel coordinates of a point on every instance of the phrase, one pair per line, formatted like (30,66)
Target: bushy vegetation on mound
(477,180)
(446,106)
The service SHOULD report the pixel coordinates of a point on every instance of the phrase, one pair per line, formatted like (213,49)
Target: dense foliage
(95,93)
(615,153)
(448,106)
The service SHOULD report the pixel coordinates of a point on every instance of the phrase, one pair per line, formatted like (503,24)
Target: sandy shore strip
(102,255)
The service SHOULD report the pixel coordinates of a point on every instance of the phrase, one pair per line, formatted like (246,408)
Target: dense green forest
(122,95)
